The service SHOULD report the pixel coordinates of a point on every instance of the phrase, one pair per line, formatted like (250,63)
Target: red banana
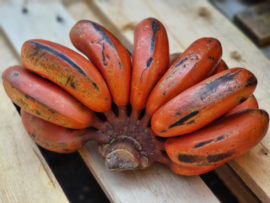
(197,62)
(108,54)
(219,141)
(44,99)
(56,138)
(150,60)
(250,103)
(220,67)
(69,70)
(173,58)
(192,170)
(204,102)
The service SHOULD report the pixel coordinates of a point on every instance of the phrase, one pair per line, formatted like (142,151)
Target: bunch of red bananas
(188,111)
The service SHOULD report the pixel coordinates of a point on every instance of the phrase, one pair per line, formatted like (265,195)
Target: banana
(219,141)
(250,103)
(196,63)
(44,99)
(204,102)
(150,60)
(57,138)
(173,58)
(192,170)
(220,67)
(108,54)
(69,70)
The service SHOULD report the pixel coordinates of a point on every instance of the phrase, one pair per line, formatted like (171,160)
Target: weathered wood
(187,21)
(40,20)
(253,168)
(236,185)
(154,184)
(24,174)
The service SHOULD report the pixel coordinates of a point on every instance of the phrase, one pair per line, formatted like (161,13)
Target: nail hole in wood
(24,10)
(59,19)
(235,55)
(204,12)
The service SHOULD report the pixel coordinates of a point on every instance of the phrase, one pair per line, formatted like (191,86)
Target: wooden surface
(37,21)
(155,184)
(24,174)
(236,185)
(185,21)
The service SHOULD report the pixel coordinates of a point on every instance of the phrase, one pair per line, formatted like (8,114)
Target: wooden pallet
(25,176)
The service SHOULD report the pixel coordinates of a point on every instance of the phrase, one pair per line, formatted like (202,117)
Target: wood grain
(43,20)
(236,185)
(154,184)
(24,174)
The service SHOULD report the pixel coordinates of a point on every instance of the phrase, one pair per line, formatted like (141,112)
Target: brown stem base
(131,142)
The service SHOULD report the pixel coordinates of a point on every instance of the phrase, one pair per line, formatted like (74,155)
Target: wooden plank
(82,10)
(236,185)
(24,174)
(46,20)
(253,168)
(136,184)
(187,21)
(154,184)
(252,22)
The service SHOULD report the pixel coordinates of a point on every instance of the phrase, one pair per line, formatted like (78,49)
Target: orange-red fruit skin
(108,54)
(52,137)
(150,60)
(220,67)
(204,102)
(192,170)
(44,99)
(219,141)
(250,103)
(196,63)
(69,70)
(173,58)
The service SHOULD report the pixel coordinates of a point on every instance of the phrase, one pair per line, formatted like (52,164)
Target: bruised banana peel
(44,99)
(112,101)
(108,54)
(204,102)
(222,66)
(57,138)
(69,70)
(219,141)
(197,62)
(250,103)
(150,60)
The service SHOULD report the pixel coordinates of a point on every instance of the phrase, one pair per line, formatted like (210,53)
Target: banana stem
(92,134)
(135,114)
(111,117)
(151,132)
(100,125)
(145,121)
(161,157)
(122,113)
(160,144)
